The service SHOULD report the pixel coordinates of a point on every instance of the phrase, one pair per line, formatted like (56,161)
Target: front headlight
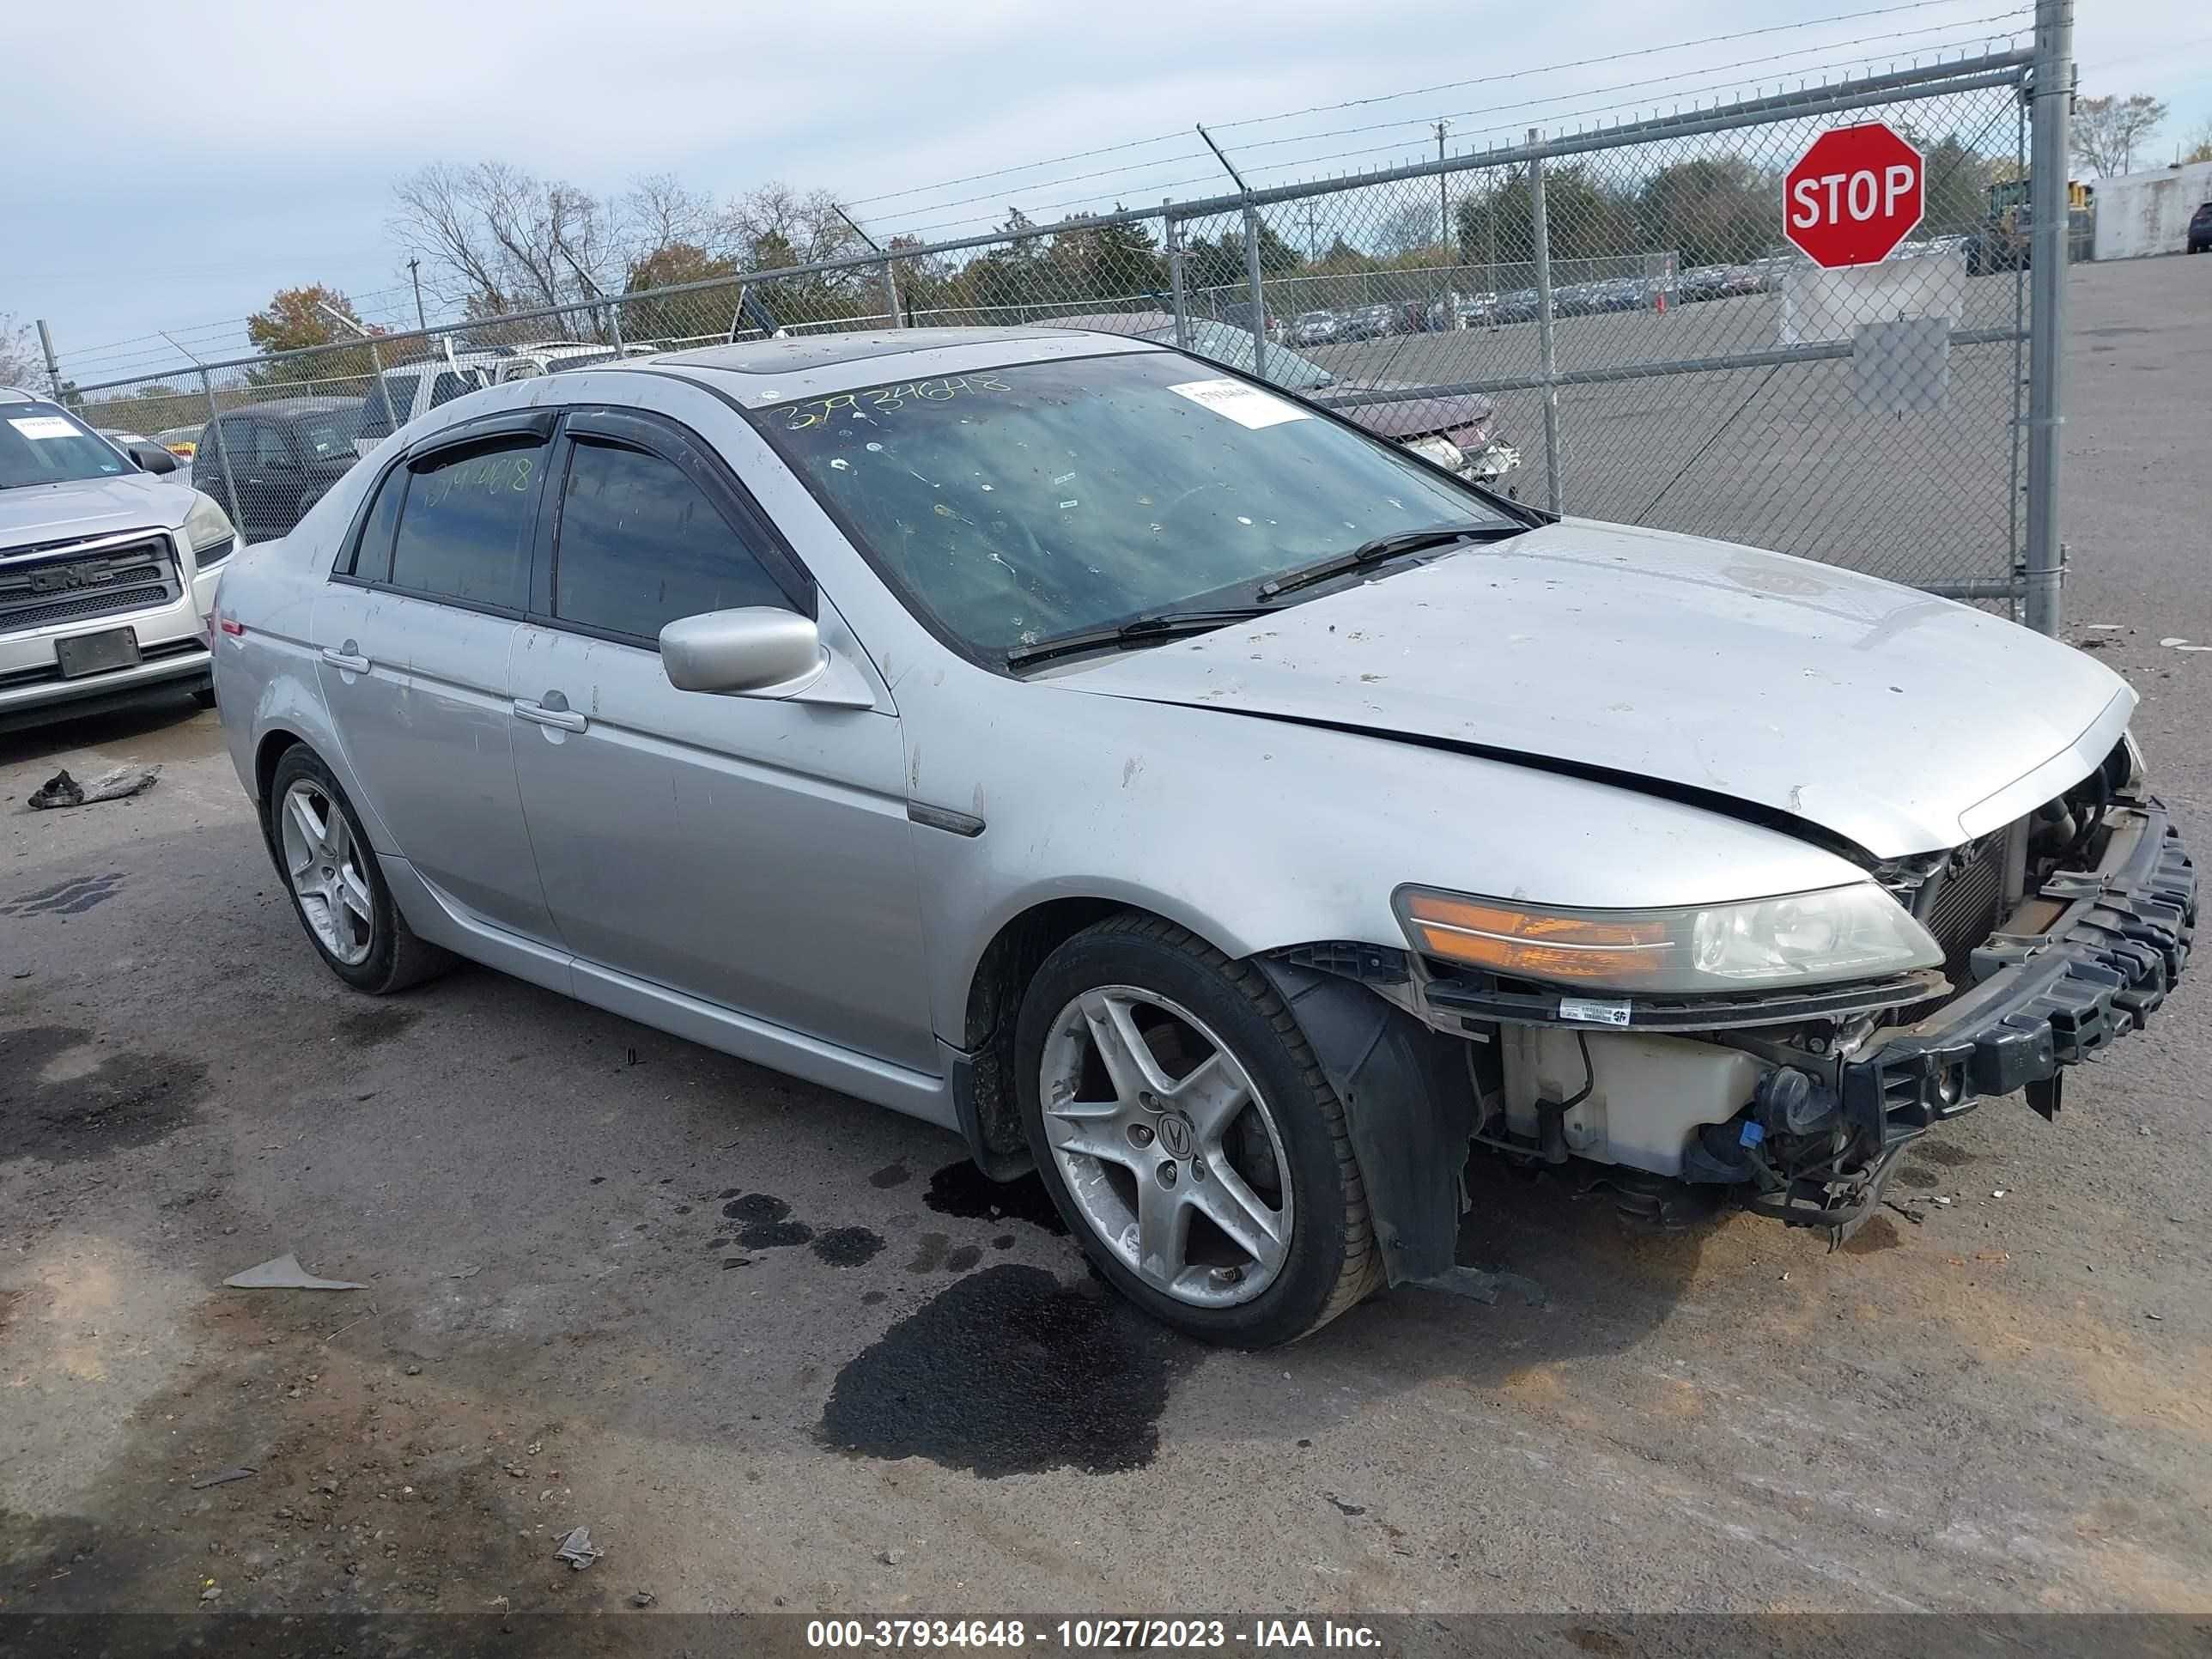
(1441,451)
(208,530)
(1857,932)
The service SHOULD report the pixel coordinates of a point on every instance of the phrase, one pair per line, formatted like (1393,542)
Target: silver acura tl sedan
(1174,788)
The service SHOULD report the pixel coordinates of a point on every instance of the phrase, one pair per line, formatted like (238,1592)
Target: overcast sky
(171,167)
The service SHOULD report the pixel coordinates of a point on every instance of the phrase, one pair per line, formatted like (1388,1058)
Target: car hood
(1408,417)
(1901,722)
(38,513)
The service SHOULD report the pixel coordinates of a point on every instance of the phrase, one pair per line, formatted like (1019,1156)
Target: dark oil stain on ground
(1879,1232)
(960,1260)
(929,1253)
(961,1189)
(368,1027)
(773,1235)
(1943,1152)
(125,1099)
(870,1299)
(1913,1175)
(72,897)
(1003,1242)
(891,1175)
(847,1246)
(1008,1371)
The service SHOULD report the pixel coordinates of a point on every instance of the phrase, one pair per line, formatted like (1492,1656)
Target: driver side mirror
(757,651)
(152,458)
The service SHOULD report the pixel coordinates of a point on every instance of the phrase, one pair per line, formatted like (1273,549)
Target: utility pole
(415,271)
(1312,223)
(1443,204)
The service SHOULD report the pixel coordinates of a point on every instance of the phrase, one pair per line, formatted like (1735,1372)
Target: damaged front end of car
(2030,950)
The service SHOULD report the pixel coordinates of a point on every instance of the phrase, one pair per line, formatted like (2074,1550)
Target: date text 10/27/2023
(1089,1635)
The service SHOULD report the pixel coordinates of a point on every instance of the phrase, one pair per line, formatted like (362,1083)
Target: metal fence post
(1258,300)
(222,455)
(891,293)
(54,368)
(1173,228)
(1540,234)
(2053,94)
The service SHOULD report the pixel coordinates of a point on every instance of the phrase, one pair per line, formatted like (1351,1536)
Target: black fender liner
(1408,1105)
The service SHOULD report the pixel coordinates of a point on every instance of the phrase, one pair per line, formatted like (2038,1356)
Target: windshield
(1021,503)
(42,443)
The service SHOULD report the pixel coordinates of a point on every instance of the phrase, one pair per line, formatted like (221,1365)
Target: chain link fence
(1608,324)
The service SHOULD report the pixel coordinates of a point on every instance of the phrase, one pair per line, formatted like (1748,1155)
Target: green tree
(295,320)
(1711,212)
(678,316)
(1586,220)
(1956,194)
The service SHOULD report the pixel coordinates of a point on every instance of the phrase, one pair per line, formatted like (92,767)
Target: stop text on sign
(1853,196)
(1859,194)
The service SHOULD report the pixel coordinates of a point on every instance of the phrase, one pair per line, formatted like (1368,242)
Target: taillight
(229,625)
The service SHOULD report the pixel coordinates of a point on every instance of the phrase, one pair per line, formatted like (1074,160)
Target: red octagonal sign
(1853,196)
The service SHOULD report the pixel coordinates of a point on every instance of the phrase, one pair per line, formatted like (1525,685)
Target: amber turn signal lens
(1529,944)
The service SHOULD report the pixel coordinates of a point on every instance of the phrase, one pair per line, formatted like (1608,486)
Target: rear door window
(640,545)
(466,530)
(449,386)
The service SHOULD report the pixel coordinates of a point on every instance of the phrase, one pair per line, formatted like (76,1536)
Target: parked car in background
(1314,328)
(106,566)
(180,440)
(1454,430)
(2200,228)
(1404,822)
(1517,306)
(282,457)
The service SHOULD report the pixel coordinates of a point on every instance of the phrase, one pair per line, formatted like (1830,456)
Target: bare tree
(1406,228)
(2200,147)
(777,225)
(659,212)
(20,361)
(495,239)
(2107,131)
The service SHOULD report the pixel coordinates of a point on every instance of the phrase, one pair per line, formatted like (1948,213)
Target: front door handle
(565,720)
(346,657)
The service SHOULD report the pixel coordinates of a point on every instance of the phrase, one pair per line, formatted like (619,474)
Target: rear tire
(1228,1096)
(337,887)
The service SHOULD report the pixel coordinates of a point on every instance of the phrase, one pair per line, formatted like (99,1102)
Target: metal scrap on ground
(284,1272)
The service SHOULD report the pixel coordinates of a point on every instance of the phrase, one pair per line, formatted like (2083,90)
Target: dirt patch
(364,1028)
(62,1098)
(1878,1232)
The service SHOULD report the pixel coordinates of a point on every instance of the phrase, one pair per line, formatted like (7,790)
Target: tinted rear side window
(465,532)
(447,386)
(372,553)
(640,545)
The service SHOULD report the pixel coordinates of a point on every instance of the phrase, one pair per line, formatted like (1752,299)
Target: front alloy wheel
(1189,1137)
(1166,1146)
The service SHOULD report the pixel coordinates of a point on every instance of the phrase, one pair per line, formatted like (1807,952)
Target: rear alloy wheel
(338,889)
(1187,1135)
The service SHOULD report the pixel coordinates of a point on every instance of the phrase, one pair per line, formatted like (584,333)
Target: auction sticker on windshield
(44,426)
(1247,405)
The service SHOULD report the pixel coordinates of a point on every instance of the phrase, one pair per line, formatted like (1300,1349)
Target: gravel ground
(778,1350)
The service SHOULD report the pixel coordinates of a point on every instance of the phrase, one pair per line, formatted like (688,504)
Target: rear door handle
(345,660)
(567,720)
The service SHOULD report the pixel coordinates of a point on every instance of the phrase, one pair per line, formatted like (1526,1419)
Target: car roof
(295,408)
(761,372)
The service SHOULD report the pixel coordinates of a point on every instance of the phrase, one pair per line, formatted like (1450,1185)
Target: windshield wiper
(1385,547)
(1141,630)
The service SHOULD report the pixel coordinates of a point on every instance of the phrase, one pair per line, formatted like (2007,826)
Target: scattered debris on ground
(284,1272)
(576,1549)
(63,790)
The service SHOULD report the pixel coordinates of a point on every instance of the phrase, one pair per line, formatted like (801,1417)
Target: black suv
(280,457)
(2200,228)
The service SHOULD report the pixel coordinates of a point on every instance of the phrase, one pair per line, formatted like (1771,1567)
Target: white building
(2148,212)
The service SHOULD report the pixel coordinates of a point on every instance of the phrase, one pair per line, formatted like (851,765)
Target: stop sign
(1853,196)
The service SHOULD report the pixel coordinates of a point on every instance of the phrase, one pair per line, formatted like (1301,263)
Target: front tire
(1189,1138)
(338,888)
